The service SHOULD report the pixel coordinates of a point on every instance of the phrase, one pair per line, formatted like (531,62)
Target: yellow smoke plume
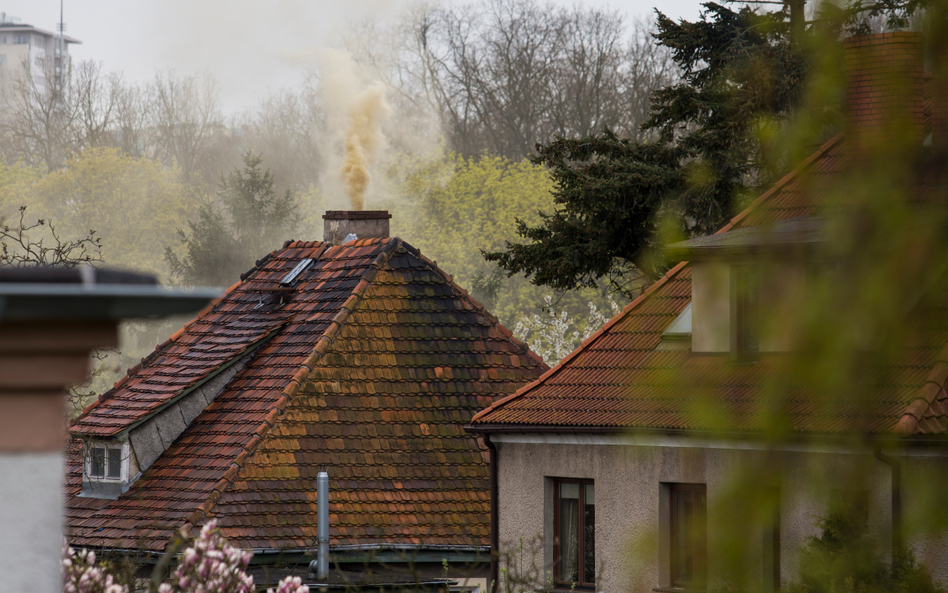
(363,137)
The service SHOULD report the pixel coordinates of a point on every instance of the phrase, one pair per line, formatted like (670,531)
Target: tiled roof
(375,362)
(619,378)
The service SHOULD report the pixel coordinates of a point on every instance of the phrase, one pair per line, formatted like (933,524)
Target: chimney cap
(355,214)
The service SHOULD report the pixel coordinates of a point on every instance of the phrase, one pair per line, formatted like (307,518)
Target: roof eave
(866,439)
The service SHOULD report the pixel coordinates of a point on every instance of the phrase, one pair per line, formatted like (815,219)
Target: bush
(846,559)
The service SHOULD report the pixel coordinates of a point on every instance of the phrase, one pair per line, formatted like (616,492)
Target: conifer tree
(741,77)
(250,220)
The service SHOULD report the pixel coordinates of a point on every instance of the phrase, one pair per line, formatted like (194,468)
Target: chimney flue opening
(363,224)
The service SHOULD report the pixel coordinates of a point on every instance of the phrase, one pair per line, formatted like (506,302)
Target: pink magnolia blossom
(290,585)
(81,575)
(211,565)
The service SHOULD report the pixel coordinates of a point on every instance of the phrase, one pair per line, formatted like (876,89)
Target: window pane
(683,564)
(688,535)
(115,463)
(98,462)
(589,534)
(569,532)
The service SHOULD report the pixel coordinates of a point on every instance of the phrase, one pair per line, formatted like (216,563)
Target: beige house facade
(633,477)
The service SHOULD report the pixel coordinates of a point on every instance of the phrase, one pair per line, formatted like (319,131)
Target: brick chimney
(885,87)
(364,224)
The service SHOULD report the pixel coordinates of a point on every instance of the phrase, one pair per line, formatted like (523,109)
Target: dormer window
(105,468)
(105,463)
(745,285)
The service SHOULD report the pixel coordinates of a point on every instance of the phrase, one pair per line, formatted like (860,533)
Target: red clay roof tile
(364,335)
(617,379)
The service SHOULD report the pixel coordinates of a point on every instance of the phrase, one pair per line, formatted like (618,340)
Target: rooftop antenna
(62,44)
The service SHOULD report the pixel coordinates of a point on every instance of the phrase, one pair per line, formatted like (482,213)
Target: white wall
(31,533)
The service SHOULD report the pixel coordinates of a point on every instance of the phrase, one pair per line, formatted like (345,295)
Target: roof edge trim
(807,162)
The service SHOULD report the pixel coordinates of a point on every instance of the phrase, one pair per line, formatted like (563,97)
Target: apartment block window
(688,535)
(3,58)
(3,39)
(21,39)
(574,546)
(104,462)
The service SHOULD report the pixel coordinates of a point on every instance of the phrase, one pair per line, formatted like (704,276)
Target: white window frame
(90,446)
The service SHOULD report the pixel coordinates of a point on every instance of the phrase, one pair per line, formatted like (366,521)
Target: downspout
(322,524)
(494,522)
(896,499)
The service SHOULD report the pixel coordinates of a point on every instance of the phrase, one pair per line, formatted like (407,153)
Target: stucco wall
(628,479)
(31,516)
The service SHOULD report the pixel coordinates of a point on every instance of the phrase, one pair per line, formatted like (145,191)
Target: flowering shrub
(81,575)
(549,334)
(290,585)
(211,565)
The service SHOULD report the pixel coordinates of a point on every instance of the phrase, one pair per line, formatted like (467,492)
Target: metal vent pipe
(322,524)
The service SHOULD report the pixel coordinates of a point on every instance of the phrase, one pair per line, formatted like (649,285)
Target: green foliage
(716,144)
(741,75)
(134,204)
(607,195)
(252,220)
(845,558)
(452,208)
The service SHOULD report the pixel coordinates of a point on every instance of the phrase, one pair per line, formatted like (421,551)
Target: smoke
(355,111)
(362,141)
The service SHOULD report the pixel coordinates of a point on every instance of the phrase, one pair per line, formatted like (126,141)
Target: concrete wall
(31,516)
(631,550)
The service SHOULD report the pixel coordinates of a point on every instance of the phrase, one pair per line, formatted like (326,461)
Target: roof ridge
(588,341)
(296,244)
(661,281)
(322,346)
(935,383)
(466,296)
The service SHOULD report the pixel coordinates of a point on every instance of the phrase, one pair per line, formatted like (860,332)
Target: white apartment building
(21,43)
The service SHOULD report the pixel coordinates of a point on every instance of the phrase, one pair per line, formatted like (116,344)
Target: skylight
(290,278)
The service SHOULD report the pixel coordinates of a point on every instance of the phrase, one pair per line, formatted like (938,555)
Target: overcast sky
(251,46)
